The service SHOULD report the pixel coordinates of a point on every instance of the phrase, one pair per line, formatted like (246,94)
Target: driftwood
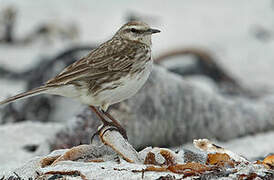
(207,65)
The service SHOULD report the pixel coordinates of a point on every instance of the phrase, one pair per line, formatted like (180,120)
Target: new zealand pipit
(111,73)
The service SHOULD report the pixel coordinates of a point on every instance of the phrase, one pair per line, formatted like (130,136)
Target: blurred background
(225,47)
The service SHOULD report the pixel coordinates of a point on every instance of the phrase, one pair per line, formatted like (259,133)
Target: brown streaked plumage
(111,73)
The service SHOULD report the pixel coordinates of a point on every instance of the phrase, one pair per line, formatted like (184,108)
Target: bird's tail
(30,93)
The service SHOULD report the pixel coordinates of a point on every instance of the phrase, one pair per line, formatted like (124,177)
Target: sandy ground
(16,138)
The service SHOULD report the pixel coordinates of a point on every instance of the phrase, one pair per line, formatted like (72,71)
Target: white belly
(130,86)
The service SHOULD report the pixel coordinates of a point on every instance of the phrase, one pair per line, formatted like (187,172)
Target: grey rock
(169,111)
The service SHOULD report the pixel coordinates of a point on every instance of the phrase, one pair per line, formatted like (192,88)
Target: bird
(110,73)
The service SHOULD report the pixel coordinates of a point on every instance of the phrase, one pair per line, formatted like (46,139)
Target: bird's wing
(109,57)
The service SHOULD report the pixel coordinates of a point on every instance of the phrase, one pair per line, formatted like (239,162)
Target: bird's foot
(112,126)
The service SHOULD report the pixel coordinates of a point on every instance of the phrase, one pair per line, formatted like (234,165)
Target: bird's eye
(133,30)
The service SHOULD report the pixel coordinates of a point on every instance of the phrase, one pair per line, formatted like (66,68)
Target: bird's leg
(99,115)
(117,124)
(105,122)
(114,123)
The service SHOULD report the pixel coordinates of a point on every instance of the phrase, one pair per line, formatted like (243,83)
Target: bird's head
(137,31)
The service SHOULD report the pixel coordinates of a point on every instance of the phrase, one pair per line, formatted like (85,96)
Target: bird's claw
(112,126)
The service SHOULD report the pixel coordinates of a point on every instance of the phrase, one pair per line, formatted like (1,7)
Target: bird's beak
(152,31)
